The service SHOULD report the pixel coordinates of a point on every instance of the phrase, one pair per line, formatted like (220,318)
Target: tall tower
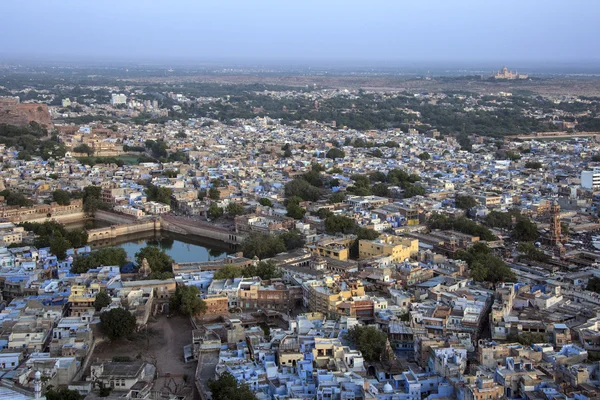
(37,385)
(555,233)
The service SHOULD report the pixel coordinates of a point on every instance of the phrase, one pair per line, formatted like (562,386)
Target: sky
(371,31)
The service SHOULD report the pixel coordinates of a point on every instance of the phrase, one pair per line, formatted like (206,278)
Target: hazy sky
(330,30)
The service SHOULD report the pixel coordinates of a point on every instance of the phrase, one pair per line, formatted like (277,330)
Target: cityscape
(294,223)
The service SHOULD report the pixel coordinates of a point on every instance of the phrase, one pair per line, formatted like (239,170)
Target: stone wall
(14,113)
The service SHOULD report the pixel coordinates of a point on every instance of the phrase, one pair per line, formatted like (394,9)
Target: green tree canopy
(84,148)
(214,193)
(369,340)
(465,202)
(262,245)
(117,323)
(234,209)
(63,394)
(226,387)
(102,300)
(158,260)
(107,256)
(425,156)
(214,211)
(187,301)
(293,239)
(265,202)
(336,153)
(160,194)
(61,197)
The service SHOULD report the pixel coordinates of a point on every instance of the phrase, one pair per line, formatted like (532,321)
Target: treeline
(56,236)
(461,224)
(29,141)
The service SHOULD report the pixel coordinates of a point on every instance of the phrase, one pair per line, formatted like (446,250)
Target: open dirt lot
(163,347)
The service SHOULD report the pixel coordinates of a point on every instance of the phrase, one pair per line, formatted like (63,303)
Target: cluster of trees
(117,323)
(105,256)
(61,197)
(593,284)
(134,149)
(335,153)
(28,140)
(91,161)
(92,199)
(300,187)
(361,143)
(159,193)
(530,252)
(461,224)
(84,148)
(264,245)
(266,270)
(294,210)
(484,266)
(522,228)
(15,199)
(369,340)
(63,394)
(464,202)
(102,300)
(533,164)
(187,301)
(227,387)
(56,236)
(159,261)
(381,182)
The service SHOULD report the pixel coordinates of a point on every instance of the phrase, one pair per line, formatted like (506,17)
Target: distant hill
(14,113)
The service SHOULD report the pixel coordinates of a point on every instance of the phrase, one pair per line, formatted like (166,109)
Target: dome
(387,388)
(38,375)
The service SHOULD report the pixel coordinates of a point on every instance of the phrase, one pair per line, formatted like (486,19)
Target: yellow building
(82,299)
(336,248)
(397,247)
(324,295)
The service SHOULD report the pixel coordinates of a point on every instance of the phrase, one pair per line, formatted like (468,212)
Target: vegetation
(336,153)
(530,252)
(369,340)
(106,256)
(293,208)
(265,202)
(117,323)
(425,156)
(533,164)
(159,193)
(465,202)
(61,197)
(484,266)
(214,211)
(234,209)
(214,193)
(266,270)
(92,199)
(15,199)
(56,236)
(299,187)
(593,284)
(527,338)
(262,245)
(187,301)
(102,300)
(227,387)
(83,148)
(160,262)
(63,394)
(292,239)
(462,224)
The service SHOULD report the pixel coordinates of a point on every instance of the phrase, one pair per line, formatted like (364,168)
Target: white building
(119,98)
(590,179)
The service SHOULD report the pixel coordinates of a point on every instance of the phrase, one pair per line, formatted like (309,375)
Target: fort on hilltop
(13,112)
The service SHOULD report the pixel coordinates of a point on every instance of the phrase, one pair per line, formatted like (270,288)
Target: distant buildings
(118,98)
(504,73)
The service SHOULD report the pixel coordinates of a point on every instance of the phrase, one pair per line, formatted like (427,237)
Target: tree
(337,197)
(369,340)
(228,272)
(525,230)
(187,301)
(214,211)
(214,193)
(92,199)
(160,194)
(484,266)
(117,323)
(84,148)
(413,190)
(335,153)
(262,245)
(425,156)
(59,246)
(380,189)
(293,239)
(63,394)
(234,209)
(226,387)
(158,260)
(301,188)
(102,300)
(339,224)
(530,252)
(533,164)
(265,270)
(106,256)
(593,284)
(24,155)
(295,211)
(265,202)
(465,202)
(61,197)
